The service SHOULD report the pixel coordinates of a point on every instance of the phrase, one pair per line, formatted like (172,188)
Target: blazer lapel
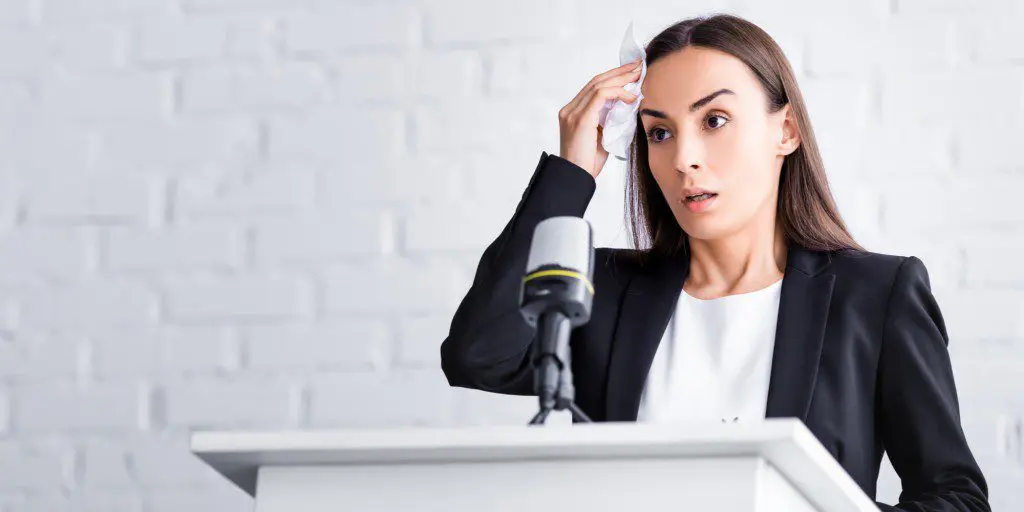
(800,332)
(650,300)
(648,304)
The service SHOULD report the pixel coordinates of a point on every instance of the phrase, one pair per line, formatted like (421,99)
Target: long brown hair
(806,210)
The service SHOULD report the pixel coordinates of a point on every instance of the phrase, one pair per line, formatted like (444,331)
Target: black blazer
(860,352)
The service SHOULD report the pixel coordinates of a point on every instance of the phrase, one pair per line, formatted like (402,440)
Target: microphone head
(566,242)
(559,271)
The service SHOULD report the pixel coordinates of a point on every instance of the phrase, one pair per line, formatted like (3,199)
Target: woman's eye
(719,125)
(651,137)
(724,119)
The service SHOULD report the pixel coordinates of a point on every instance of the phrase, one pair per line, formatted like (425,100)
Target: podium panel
(648,484)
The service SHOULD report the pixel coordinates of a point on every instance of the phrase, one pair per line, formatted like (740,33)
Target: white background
(262,214)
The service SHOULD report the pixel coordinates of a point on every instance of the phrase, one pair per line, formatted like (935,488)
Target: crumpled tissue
(618,118)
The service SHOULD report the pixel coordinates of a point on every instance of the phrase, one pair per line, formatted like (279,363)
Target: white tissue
(617,117)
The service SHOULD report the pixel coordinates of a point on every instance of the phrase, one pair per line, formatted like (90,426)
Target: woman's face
(707,125)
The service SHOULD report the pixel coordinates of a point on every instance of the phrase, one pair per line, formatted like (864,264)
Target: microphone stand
(553,381)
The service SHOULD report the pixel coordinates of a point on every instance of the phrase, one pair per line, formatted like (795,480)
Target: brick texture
(262,214)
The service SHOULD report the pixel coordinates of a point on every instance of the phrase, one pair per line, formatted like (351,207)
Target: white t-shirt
(714,360)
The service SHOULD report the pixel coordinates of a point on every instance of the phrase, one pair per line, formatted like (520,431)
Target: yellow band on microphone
(567,273)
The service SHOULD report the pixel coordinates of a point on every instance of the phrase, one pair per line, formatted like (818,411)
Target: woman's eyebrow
(696,105)
(707,99)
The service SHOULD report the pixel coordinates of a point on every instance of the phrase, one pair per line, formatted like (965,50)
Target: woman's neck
(738,264)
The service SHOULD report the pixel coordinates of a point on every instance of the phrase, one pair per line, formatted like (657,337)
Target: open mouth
(700,197)
(700,203)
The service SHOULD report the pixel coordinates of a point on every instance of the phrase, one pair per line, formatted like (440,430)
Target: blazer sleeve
(489,344)
(918,407)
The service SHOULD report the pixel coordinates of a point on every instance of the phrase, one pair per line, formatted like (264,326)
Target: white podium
(774,465)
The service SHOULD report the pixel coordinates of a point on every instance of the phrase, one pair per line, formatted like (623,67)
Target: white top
(714,360)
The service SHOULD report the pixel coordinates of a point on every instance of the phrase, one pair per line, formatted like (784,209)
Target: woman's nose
(688,157)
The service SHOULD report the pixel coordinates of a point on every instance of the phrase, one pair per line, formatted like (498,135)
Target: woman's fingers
(625,68)
(597,99)
(625,72)
(614,82)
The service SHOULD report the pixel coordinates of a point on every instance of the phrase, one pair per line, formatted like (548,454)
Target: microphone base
(578,415)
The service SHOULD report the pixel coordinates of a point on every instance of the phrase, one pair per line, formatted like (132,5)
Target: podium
(773,465)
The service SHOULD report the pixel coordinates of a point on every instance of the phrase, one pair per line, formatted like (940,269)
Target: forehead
(681,78)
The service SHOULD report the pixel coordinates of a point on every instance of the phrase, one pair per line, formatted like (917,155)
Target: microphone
(556,295)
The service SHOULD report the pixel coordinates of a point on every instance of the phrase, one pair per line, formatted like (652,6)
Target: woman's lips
(700,206)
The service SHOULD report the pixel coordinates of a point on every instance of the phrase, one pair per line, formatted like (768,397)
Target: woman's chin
(696,231)
(702,228)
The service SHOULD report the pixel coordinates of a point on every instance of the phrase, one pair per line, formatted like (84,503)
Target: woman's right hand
(578,120)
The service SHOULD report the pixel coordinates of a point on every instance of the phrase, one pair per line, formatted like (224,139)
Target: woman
(754,303)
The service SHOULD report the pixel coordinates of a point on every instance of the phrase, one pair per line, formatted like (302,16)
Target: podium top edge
(580,435)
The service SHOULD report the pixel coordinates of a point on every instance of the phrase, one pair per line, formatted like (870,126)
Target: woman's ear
(790,139)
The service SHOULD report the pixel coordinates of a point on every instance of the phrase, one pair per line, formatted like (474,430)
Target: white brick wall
(262,213)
